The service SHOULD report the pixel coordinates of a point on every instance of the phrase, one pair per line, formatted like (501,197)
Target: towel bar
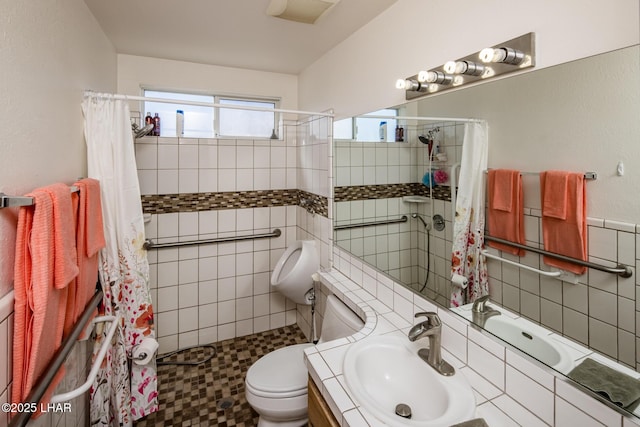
(148,244)
(403,218)
(517,264)
(621,269)
(587,175)
(65,397)
(7,201)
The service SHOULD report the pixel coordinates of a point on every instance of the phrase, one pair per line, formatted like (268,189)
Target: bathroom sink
(383,372)
(543,348)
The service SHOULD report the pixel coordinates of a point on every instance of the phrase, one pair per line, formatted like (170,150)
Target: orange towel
(506,209)
(564,218)
(89,240)
(45,263)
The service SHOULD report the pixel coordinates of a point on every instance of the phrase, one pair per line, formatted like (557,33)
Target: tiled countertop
(325,361)
(510,389)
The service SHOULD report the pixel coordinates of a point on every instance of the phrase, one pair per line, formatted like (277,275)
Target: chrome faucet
(431,328)
(480,311)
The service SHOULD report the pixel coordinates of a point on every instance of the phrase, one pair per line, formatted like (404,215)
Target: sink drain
(403,410)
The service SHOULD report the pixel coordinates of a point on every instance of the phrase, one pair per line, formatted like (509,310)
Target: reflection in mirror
(591,123)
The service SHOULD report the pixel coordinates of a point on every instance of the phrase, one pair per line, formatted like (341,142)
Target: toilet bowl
(276,384)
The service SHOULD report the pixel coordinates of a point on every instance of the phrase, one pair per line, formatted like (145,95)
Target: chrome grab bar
(148,244)
(621,269)
(403,218)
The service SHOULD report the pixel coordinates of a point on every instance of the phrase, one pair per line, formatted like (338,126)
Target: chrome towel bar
(403,218)
(7,201)
(148,244)
(621,269)
(587,175)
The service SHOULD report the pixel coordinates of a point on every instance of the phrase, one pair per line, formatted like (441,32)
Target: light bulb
(424,76)
(450,67)
(458,80)
(486,54)
(504,54)
(400,84)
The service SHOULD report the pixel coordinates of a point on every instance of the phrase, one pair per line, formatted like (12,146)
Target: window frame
(216,109)
(354,125)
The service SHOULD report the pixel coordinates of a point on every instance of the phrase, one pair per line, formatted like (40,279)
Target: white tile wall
(212,292)
(600,310)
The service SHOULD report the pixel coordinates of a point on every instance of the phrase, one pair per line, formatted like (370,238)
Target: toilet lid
(281,372)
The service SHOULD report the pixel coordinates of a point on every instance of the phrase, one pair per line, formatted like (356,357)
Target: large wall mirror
(582,115)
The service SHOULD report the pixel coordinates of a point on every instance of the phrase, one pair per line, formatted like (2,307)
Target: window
(207,122)
(234,122)
(366,129)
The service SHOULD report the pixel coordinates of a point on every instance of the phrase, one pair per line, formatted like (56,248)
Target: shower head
(140,132)
(424,139)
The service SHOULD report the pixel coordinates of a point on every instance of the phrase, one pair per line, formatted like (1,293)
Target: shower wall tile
(205,188)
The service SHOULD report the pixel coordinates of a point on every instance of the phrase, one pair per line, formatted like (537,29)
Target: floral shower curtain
(120,396)
(468,228)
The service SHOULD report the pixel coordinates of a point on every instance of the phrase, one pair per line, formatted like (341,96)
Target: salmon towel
(506,209)
(564,218)
(45,263)
(89,241)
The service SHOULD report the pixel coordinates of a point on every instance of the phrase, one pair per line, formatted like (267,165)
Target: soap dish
(415,199)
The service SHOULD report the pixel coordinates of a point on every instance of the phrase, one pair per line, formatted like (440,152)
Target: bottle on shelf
(179,123)
(156,125)
(383,131)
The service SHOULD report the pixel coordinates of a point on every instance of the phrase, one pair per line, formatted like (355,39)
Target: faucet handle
(479,303)
(431,316)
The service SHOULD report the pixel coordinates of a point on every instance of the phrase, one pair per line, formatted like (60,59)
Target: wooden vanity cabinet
(319,412)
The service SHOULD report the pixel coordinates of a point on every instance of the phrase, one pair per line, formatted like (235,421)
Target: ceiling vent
(305,11)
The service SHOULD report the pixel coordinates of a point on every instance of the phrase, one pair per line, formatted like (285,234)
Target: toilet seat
(279,374)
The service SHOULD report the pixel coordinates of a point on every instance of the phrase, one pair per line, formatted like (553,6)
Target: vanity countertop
(325,361)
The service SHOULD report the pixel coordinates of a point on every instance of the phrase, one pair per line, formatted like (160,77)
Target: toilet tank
(339,321)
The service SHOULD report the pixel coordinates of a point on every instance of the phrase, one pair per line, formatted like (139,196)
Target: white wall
(358,75)
(50,53)
(135,72)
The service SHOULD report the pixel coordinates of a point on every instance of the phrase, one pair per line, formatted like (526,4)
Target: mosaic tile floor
(212,394)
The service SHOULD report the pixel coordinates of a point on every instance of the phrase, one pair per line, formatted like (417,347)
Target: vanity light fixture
(436,77)
(504,58)
(469,68)
(505,55)
(411,85)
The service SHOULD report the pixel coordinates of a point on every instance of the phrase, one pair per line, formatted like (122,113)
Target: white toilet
(276,385)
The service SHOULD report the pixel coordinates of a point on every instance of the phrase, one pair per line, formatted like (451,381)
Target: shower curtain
(468,228)
(120,396)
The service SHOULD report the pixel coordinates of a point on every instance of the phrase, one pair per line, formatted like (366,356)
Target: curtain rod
(433,119)
(90,94)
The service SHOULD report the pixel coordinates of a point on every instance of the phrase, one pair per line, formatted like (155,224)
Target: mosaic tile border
(388,191)
(195,202)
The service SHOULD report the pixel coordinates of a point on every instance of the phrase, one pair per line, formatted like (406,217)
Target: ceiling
(233,33)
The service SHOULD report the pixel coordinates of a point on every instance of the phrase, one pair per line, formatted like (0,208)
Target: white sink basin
(384,371)
(538,346)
